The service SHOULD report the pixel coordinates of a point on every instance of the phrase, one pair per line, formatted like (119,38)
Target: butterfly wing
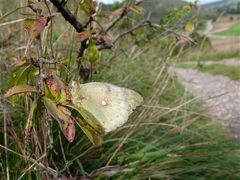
(109,104)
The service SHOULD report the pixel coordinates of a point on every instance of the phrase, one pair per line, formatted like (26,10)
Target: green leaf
(189,27)
(19,89)
(19,77)
(92,53)
(63,118)
(89,125)
(90,132)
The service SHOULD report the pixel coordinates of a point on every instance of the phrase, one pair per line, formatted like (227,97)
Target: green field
(210,55)
(233,31)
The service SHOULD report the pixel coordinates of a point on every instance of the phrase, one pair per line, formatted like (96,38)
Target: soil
(219,94)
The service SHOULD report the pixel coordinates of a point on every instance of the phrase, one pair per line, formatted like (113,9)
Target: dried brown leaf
(19,89)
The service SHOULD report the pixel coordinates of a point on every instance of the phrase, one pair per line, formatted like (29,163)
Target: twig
(118,18)
(124,12)
(11,12)
(150,24)
(46,61)
(64,156)
(48,169)
(41,70)
(5,138)
(12,22)
(140,25)
(30,167)
(68,16)
(157,26)
(82,48)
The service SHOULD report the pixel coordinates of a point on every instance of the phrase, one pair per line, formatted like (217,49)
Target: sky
(201,1)
(110,1)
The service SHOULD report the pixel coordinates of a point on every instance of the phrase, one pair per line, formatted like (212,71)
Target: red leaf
(35,26)
(82,36)
(62,116)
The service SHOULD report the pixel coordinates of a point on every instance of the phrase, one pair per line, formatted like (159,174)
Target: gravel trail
(219,94)
(230,62)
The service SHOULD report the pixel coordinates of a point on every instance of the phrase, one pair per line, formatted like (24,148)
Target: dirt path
(230,62)
(220,95)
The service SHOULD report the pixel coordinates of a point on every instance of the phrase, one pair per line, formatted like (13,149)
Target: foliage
(229,7)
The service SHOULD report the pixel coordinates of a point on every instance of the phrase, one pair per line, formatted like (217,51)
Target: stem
(5,138)
(68,16)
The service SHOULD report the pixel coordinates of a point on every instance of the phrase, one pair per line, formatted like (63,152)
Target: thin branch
(144,23)
(157,26)
(124,12)
(5,139)
(134,28)
(68,16)
(48,169)
(46,61)
(82,48)
(30,167)
(12,22)
(64,156)
(41,70)
(118,18)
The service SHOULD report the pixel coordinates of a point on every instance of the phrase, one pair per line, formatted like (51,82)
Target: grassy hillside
(233,31)
(158,8)
(228,6)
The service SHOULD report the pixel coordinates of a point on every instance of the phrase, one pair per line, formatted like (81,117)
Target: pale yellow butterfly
(105,104)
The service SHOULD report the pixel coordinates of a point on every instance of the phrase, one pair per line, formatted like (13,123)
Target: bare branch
(39,164)
(46,61)
(124,12)
(68,16)
(157,26)
(41,77)
(144,23)
(134,28)
(5,139)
